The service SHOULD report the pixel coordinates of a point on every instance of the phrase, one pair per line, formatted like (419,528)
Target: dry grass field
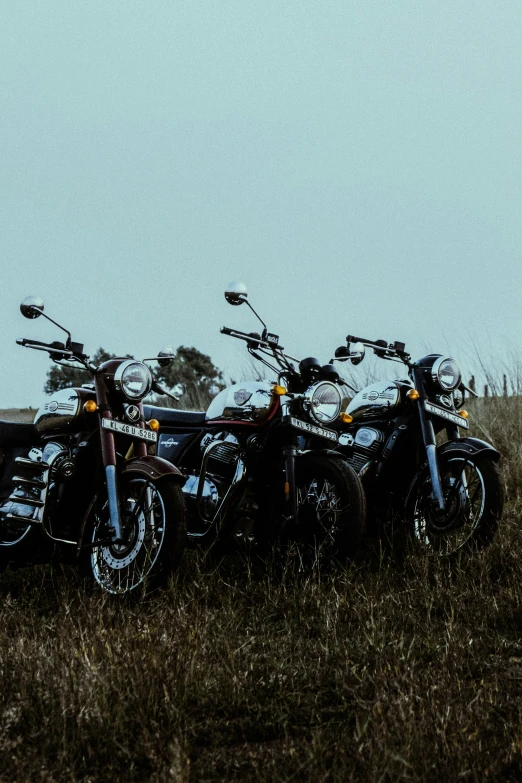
(17,414)
(382,671)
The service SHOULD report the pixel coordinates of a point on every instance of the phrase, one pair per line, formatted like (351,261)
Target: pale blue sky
(357,164)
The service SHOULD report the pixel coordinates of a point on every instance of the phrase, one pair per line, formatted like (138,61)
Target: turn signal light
(90,406)
(464,414)
(413,394)
(280,391)
(154,425)
(346,418)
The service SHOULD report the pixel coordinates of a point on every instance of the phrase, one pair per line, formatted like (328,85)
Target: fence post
(505,386)
(486,391)
(472,383)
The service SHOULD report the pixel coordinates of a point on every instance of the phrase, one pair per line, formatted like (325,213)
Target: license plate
(454,417)
(130,429)
(312,429)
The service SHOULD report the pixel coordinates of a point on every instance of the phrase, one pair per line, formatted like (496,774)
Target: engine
(221,452)
(36,474)
(366,445)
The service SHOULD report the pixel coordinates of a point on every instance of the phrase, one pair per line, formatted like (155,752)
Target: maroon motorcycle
(80,482)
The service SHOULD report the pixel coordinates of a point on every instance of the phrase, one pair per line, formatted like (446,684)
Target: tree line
(191,375)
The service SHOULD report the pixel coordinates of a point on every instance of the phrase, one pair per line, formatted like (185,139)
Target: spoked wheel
(153,520)
(331,513)
(474,500)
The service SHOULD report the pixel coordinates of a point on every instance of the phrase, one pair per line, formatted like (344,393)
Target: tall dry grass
(367,673)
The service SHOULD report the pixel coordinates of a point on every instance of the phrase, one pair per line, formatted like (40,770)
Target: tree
(62,377)
(193,376)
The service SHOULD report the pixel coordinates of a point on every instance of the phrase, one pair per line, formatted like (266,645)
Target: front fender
(468,446)
(153,468)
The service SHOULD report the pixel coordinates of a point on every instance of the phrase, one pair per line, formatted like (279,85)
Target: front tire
(331,513)
(474,499)
(154,527)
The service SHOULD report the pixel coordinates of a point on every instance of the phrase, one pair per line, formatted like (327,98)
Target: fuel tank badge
(241,396)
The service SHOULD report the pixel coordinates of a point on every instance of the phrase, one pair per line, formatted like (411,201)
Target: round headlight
(323,402)
(446,372)
(133,379)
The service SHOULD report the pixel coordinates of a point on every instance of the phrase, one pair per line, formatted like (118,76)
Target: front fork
(109,462)
(290,452)
(430,444)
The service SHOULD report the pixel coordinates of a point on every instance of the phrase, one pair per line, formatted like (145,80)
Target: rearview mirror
(357,351)
(236,293)
(32,307)
(166,356)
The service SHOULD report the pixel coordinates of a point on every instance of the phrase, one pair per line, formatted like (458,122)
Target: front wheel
(154,531)
(474,501)
(331,512)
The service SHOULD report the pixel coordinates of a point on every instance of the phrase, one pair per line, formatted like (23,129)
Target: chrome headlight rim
(119,377)
(436,377)
(309,402)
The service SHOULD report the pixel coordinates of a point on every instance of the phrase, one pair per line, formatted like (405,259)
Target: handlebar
(28,342)
(381,347)
(52,348)
(254,338)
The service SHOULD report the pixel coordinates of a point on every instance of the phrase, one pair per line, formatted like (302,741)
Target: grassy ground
(17,414)
(378,672)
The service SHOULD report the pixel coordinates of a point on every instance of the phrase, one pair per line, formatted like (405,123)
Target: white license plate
(130,429)
(312,429)
(454,417)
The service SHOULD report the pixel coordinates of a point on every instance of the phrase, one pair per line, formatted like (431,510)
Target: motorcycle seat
(174,418)
(13,433)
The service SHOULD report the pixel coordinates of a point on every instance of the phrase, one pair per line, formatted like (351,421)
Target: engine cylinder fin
(29,482)
(358,461)
(226,452)
(27,501)
(22,462)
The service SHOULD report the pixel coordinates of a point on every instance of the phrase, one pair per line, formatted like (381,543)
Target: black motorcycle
(80,482)
(404,440)
(247,477)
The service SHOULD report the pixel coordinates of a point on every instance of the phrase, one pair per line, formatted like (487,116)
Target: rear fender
(468,447)
(152,468)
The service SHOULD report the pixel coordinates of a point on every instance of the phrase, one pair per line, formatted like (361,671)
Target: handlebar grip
(379,343)
(351,338)
(27,341)
(226,330)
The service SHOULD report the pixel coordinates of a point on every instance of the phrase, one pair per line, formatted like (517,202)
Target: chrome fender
(152,467)
(468,446)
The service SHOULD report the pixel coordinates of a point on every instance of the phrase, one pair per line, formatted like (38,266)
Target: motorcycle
(247,477)
(404,442)
(81,480)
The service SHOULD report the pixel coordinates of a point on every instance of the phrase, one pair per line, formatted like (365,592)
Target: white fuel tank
(251,401)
